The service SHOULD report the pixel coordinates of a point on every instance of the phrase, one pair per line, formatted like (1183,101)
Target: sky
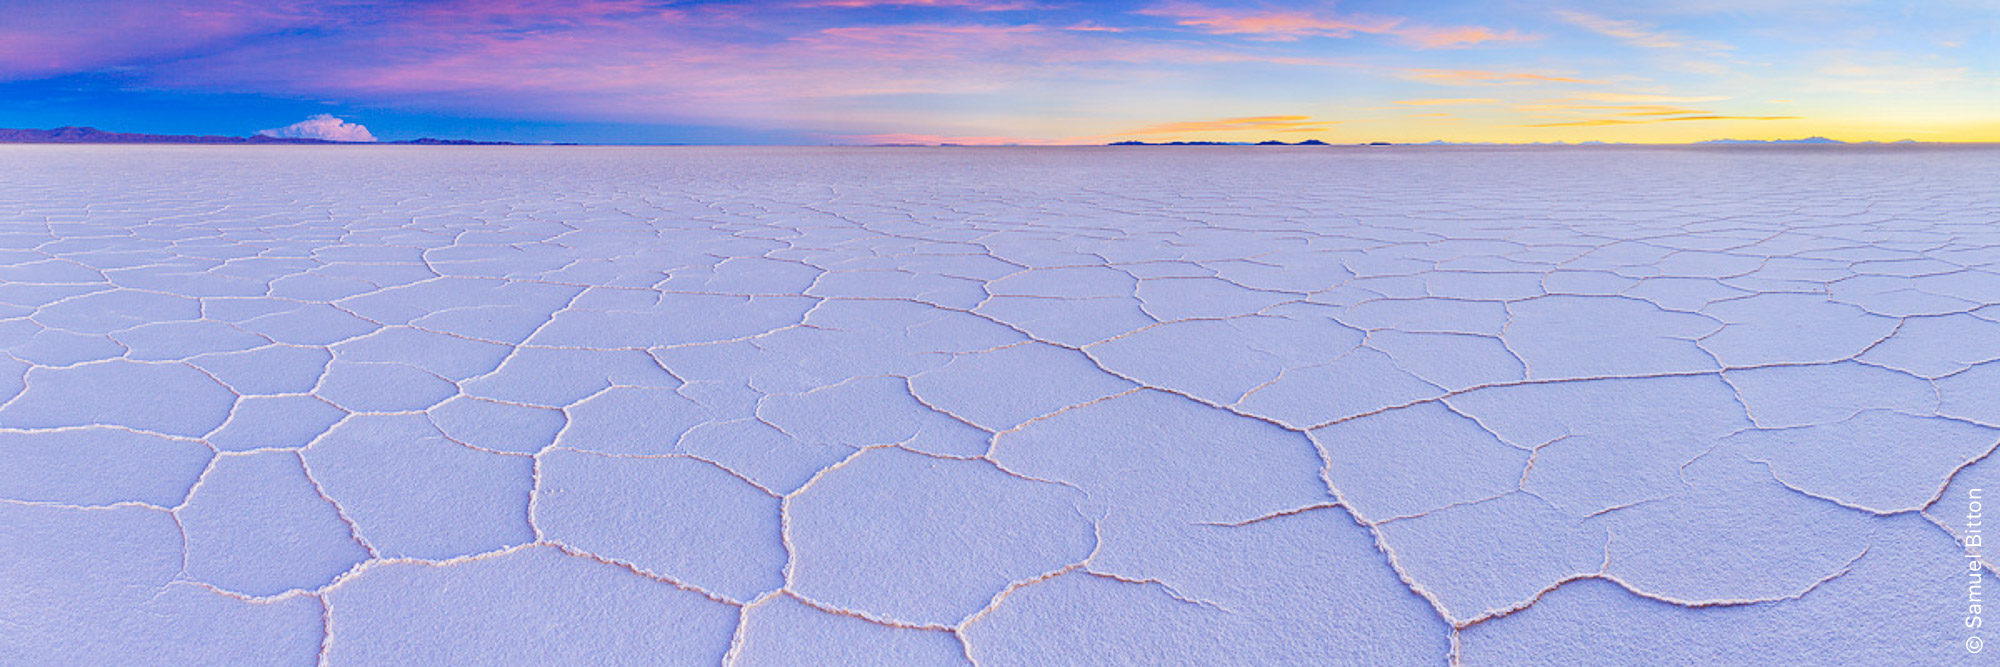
(1008,71)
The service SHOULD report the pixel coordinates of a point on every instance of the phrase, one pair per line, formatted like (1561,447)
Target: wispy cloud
(1622,110)
(1448,101)
(1269,24)
(978,71)
(1480,77)
(1446,38)
(1679,51)
(1884,73)
(1636,33)
(1286,25)
(40,39)
(1637,98)
(973,5)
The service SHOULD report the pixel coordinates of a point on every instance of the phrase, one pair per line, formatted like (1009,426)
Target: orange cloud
(1441,101)
(1447,38)
(1475,77)
(1627,110)
(1634,97)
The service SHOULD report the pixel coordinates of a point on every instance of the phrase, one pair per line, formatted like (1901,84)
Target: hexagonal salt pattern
(281,405)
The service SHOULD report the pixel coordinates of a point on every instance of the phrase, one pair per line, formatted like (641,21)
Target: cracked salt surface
(772,406)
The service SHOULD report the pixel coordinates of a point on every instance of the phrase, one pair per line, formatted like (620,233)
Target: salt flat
(1013,406)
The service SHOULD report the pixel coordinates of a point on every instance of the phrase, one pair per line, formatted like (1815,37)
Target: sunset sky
(1011,71)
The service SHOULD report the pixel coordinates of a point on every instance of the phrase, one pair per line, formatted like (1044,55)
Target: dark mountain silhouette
(91,135)
(1272,142)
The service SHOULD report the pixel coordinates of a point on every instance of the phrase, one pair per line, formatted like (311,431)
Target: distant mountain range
(1711,142)
(1308,142)
(91,135)
(1807,140)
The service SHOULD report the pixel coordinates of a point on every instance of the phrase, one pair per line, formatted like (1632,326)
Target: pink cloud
(55,38)
(722,64)
(1270,24)
(1447,38)
(974,5)
(1286,25)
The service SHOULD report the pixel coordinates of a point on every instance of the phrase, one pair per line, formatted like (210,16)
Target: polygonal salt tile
(121,393)
(55,347)
(1603,444)
(382,387)
(1490,556)
(556,378)
(675,517)
(631,420)
(1878,460)
(871,411)
(412,493)
(1973,394)
(1416,459)
(256,525)
(1936,346)
(1455,362)
(506,427)
(1734,533)
(1792,328)
(114,310)
(936,565)
(1000,389)
(1362,382)
(1068,321)
(1170,299)
(1066,283)
(99,465)
(1579,337)
(275,422)
(1899,627)
(1782,396)
(1078,617)
(447,356)
(784,630)
(1428,315)
(309,324)
(763,454)
(169,341)
(105,590)
(535,605)
(277,369)
(1192,358)
(505,324)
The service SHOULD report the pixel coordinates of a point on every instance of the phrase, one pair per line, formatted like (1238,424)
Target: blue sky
(1011,71)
